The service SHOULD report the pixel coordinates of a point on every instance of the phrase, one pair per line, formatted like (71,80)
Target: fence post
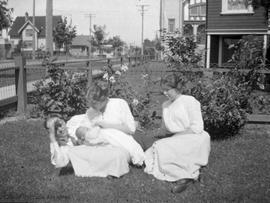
(89,74)
(20,79)
(121,60)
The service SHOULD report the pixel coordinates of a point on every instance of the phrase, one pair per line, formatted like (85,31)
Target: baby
(89,136)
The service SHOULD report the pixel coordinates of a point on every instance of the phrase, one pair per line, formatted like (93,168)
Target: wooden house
(227,22)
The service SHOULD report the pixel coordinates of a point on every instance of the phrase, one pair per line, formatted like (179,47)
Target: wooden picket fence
(16,92)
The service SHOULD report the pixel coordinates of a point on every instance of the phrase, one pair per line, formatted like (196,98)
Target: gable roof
(80,40)
(25,24)
(40,24)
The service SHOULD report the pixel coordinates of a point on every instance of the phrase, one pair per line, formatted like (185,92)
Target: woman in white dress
(179,157)
(117,124)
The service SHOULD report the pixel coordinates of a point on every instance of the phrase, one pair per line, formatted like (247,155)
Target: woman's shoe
(182,185)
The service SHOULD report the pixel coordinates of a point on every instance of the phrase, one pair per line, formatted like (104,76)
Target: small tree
(99,37)
(116,43)
(63,34)
(5,15)
(181,51)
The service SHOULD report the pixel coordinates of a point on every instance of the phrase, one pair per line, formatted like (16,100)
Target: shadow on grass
(68,170)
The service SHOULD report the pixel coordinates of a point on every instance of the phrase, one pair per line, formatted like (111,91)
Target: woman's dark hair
(169,81)
(99,92)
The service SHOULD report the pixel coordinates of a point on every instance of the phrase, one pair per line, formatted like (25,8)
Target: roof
(40,24)
(80,40)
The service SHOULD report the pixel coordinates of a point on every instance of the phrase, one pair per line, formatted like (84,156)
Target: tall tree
(117,44)
(99,37)
(63,34)
(5,14)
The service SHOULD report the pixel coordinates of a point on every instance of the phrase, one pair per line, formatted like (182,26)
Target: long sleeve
(195,116)
(118,113)
(127,117)
(59,155)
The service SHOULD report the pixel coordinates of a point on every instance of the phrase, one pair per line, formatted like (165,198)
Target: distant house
(22,31)
(191,15)
(227,22)
(80,45)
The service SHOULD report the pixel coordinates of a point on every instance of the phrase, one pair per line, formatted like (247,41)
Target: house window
(27,44)
(203,10)
(29,32)
(171,25)
(237,6)
(197,10)
(194,11)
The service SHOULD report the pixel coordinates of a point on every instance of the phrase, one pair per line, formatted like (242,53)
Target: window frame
(174,27)
(27,32)
(224,9)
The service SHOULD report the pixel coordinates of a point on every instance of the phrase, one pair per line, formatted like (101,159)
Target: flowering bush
(139,102)
(180,51)
(61,92)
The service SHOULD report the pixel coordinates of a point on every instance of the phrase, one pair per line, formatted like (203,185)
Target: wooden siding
(215,20)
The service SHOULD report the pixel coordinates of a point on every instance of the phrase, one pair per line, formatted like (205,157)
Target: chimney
(26,16)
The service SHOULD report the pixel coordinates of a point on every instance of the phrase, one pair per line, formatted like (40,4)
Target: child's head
(85,133)
(81,133)
(58,126)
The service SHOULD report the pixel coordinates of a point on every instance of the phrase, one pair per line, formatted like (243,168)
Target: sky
(121,17)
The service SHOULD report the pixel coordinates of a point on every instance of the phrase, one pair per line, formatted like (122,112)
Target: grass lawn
(238,171)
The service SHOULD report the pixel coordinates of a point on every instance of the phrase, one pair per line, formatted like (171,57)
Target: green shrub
(63,93)
(224,101)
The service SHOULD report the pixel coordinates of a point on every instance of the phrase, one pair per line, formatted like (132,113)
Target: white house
(23,30)
(188,16)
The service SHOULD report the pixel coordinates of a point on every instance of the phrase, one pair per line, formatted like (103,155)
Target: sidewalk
(259,119)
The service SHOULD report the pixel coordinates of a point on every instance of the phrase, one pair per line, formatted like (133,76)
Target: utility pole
(34,33)
(160,18)
(142,10)
(90,16)
(49,27)
(181,17)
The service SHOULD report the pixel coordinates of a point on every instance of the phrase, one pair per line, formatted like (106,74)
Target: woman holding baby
(99,142)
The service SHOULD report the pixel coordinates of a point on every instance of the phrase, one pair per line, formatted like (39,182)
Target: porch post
(264,46)
(195,32)
(208,51)
(220,44)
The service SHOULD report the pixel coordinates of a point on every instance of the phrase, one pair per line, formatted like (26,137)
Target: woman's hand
(121,126)
(104,124)
(62,141)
